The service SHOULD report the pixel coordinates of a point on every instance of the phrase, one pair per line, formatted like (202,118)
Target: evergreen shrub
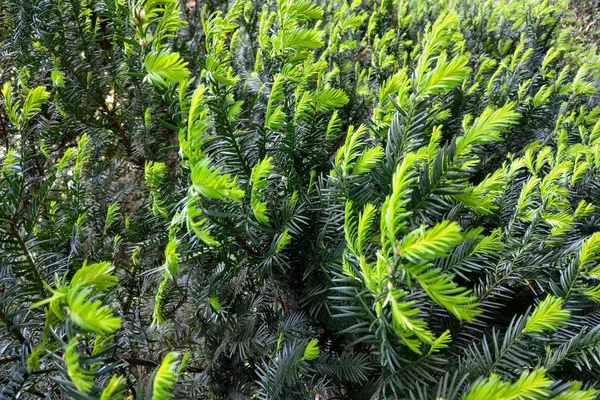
(298,199)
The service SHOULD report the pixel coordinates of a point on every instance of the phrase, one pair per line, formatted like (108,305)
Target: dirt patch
(587,13)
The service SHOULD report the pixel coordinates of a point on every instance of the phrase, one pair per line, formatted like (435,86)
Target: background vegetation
(298,199)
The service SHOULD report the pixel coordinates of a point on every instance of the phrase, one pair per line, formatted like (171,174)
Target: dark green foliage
(291,199)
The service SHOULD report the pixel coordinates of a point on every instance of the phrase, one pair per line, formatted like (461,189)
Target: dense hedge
(295,199)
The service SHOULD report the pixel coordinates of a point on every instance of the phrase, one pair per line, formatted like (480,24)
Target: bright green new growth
(91,315)
(164,66)
(311,351)
(530,386)
(283,199)
(260,173)
(155,173)
(72,300)
(113,389)
(82,378)
(165,377)
(33,103)
(548,315)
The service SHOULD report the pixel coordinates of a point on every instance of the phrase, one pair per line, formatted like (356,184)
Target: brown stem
(4,131)
(152,364)
(8,359)
(129,360)
(10,326)
(33,266)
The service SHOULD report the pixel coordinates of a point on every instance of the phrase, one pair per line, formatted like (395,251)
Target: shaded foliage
(298,199)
